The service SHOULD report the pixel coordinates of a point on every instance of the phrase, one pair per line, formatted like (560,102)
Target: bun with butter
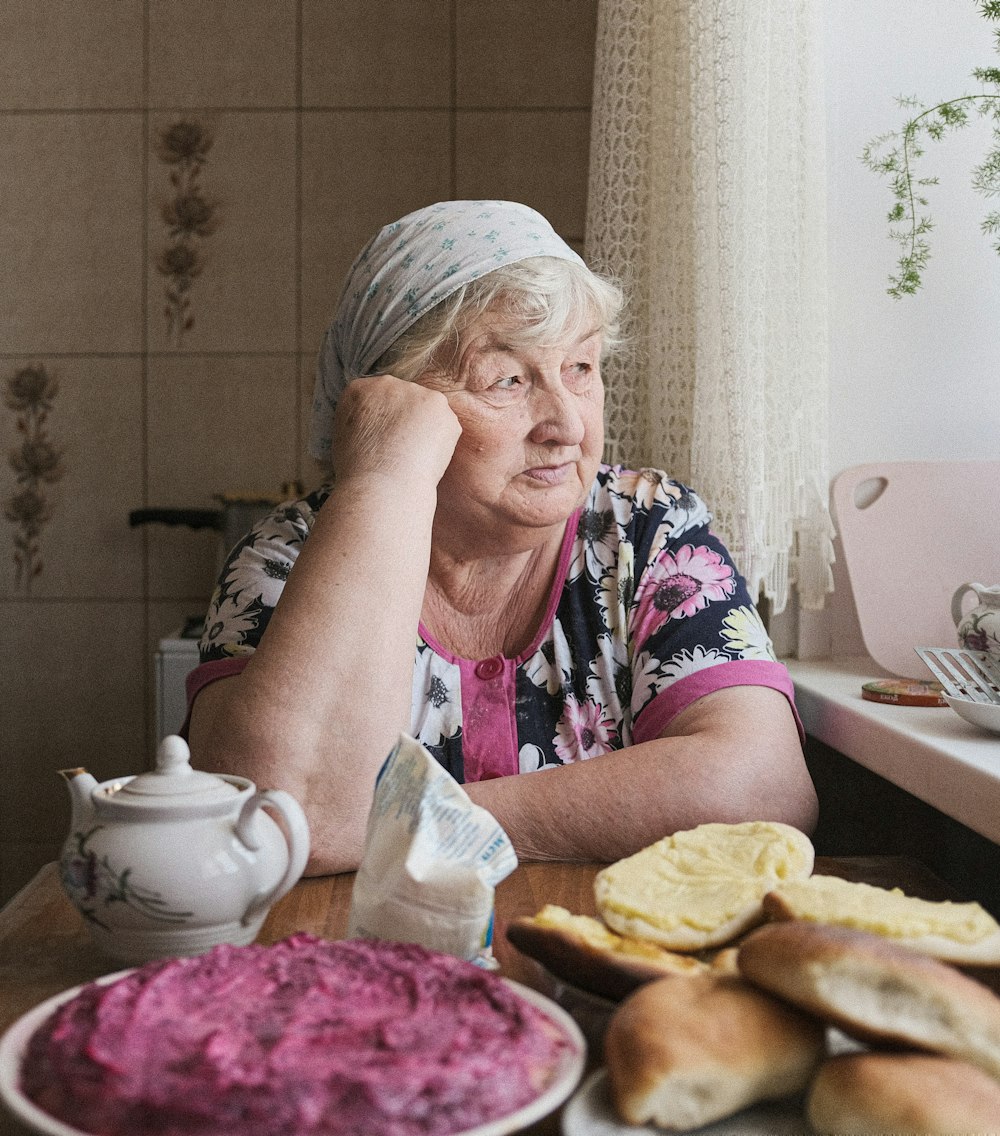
(581,950)
(875,990)
(702,887)
(682,1052)
(955,932)
(906,1094)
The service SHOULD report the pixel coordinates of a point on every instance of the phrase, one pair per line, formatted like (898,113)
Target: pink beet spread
(351,1038)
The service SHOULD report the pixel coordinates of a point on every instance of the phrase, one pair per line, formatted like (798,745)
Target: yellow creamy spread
(596,934)
(893,914)
(584,927)
(703,877)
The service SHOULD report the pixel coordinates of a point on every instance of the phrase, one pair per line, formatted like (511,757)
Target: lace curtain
(707,196)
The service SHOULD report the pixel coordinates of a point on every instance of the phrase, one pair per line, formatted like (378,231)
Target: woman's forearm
(732,756)
(328,690)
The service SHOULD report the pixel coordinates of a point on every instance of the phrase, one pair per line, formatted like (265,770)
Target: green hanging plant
(895,156)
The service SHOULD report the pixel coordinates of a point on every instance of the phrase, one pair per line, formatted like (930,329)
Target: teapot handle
(297,838)
(956,601)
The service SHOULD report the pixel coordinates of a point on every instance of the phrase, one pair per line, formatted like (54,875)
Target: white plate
(591,1113)
(985,715)
(14,1043)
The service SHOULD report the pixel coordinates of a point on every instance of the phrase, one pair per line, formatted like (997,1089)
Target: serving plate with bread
(745,989)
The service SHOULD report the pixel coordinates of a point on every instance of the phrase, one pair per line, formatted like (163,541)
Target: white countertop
(930,752)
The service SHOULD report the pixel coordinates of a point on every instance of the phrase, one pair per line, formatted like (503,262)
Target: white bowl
(985,715)
(13,1046)
(591,1112)
(14,1043)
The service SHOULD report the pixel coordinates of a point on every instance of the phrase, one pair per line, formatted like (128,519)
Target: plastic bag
(432,860)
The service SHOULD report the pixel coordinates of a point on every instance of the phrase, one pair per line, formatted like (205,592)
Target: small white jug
(979,628)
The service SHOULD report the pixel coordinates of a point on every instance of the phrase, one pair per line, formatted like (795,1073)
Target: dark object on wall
(236,514)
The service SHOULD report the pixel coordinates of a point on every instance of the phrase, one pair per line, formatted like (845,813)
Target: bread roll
(702,887)
(584,952)
(686,1050)
(903,1094)
(954,932)
(875,990)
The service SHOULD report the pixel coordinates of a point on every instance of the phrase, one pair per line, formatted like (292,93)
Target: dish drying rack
(970,675)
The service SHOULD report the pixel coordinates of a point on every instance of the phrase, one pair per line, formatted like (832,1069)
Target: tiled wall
(309,123)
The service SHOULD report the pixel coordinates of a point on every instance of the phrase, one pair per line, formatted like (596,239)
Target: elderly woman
(569,639)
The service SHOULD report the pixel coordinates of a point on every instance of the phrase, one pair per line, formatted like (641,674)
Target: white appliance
(176,657)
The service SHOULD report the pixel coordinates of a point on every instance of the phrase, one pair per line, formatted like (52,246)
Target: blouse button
(489,668)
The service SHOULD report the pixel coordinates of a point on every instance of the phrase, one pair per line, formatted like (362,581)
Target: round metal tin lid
(904,692)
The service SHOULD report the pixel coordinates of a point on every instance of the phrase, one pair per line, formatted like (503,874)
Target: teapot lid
(174,777)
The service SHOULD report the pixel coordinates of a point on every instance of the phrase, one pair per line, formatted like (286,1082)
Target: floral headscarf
(407,268)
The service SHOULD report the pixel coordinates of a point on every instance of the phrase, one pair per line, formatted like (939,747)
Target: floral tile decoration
(36,463)
(189,216)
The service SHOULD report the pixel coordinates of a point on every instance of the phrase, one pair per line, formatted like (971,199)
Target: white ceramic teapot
(979,628)
(174,861)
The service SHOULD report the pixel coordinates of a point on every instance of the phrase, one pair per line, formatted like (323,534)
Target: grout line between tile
(299,441)
(316,108)
(216,353)
(147,677)
(453,94)
(111,600)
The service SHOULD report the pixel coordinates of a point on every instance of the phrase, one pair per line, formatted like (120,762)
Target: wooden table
(45,947)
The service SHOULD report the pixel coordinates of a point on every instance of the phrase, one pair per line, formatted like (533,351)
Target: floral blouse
(647,613)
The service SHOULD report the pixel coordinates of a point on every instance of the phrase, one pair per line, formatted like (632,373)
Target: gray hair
(547,297)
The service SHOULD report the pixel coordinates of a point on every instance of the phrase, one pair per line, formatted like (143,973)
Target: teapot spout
(80,784)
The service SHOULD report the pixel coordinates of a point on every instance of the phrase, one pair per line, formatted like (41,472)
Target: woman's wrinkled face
(532,427)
